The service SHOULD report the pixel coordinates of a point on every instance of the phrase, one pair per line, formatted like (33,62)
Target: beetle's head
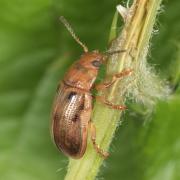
(92,60)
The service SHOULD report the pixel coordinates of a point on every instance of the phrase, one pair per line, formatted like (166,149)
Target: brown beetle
(73,103)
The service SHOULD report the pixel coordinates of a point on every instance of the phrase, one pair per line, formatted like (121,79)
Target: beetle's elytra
(72,109)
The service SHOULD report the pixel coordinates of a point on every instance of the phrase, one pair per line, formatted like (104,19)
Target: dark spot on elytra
(71,94)
(74,148)
(81,107)
(76,118)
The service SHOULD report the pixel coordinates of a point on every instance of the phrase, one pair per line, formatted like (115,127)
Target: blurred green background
(36,50)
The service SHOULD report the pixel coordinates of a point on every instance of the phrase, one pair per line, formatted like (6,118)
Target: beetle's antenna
(114,52)
(69,28)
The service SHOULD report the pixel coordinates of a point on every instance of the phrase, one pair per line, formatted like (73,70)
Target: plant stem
(134,37)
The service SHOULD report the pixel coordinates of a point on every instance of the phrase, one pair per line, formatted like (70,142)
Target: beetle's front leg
(93,139)
(115,77)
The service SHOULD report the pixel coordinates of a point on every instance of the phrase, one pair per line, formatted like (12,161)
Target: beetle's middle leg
(115,77)
(92,127)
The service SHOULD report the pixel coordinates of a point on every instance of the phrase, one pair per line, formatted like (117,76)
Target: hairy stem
(134,38)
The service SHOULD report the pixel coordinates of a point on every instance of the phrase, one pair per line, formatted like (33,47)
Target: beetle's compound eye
(96,63)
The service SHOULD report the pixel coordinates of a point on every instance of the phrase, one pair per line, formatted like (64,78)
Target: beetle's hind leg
(104,154)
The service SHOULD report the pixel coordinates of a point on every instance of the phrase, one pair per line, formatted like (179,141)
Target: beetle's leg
(108,103)
(115,77)
(93,139)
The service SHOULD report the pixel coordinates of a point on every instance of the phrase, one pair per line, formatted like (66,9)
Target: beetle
(71,116)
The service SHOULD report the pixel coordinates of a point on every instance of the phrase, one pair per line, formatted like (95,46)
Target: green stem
(135,38)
